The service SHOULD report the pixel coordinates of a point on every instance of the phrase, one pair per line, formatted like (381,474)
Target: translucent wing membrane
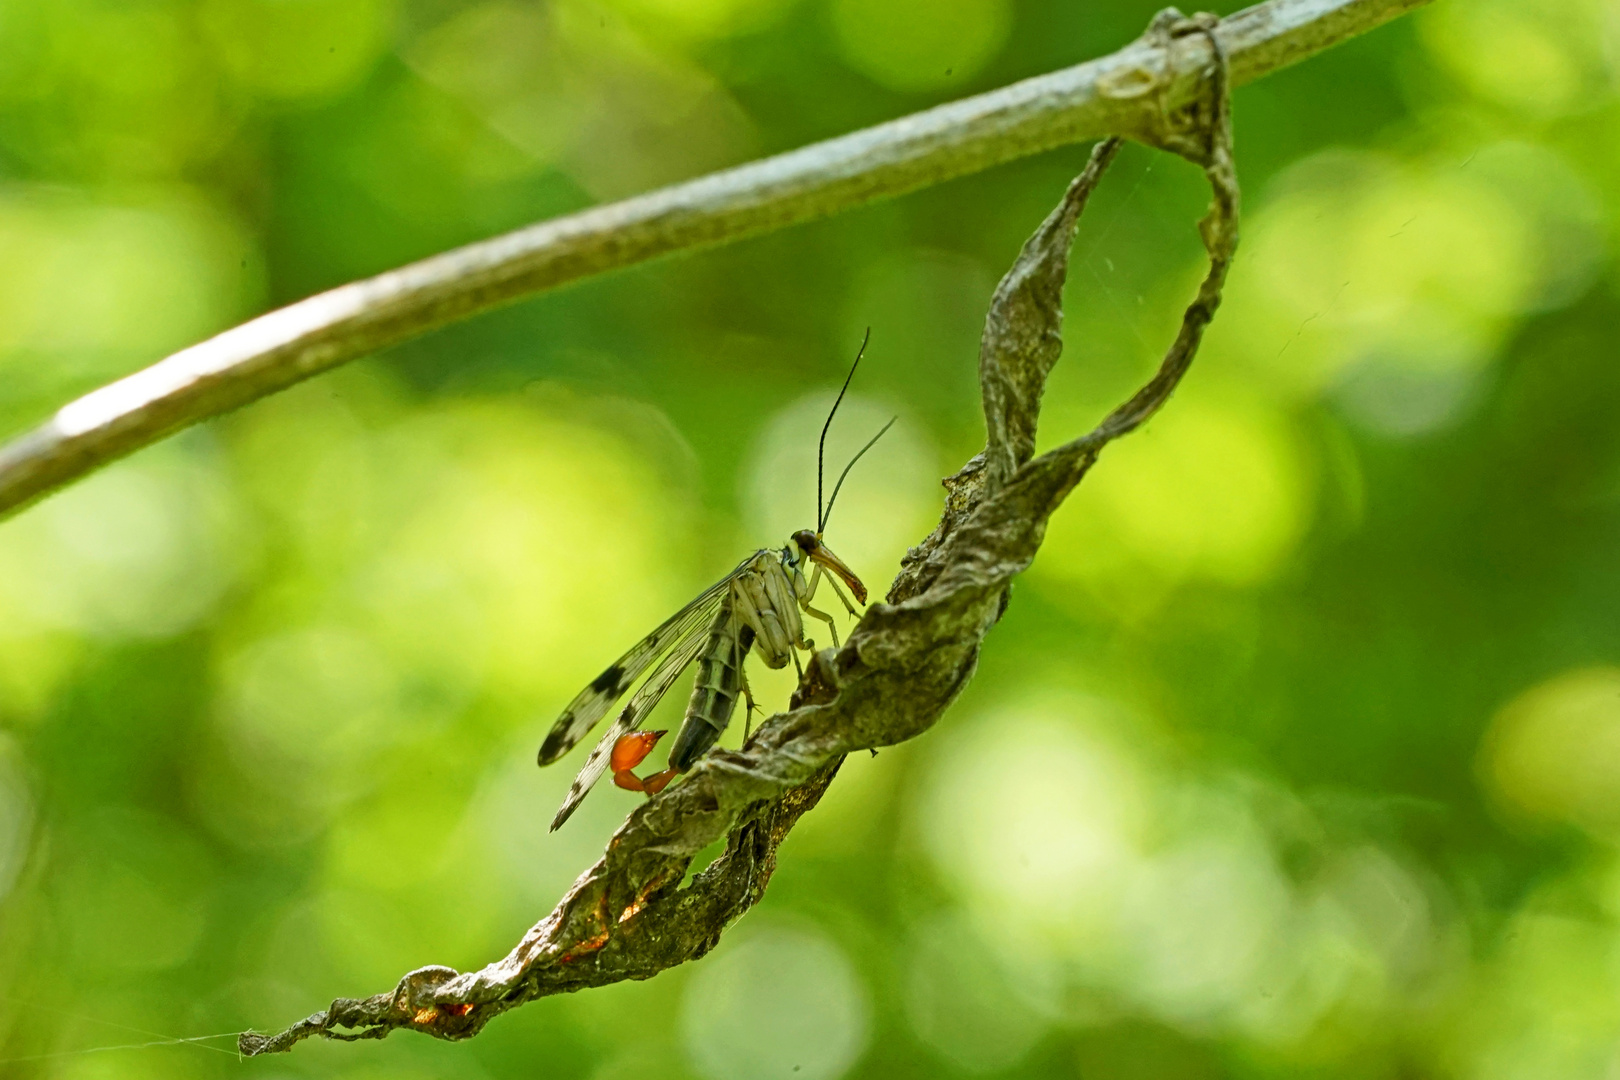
(595,700)
(641,705)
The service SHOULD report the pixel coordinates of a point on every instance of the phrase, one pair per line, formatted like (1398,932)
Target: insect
(756,607)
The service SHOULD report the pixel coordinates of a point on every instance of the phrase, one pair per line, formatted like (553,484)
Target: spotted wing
(641,704)
(595,700)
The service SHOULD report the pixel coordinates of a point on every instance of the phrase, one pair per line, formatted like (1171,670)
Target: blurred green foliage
(1297,754)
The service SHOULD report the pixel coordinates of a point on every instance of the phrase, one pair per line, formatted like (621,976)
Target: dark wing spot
(608,681)
(553,747)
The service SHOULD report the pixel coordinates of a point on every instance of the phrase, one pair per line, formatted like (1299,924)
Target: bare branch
(627,917)
(1127,93)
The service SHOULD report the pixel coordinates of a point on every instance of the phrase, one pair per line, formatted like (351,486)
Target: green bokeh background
(1296,755)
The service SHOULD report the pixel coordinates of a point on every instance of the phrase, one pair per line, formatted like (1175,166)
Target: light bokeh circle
(784,1003)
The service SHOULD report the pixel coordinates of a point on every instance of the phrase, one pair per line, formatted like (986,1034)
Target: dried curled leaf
(627,917)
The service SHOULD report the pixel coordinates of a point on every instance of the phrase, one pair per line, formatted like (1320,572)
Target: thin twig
(1126,93)
(628,917)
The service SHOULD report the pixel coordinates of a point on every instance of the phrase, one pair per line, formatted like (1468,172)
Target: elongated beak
(823,556)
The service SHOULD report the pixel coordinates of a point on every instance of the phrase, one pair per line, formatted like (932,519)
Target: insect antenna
(821,447)
(850,466)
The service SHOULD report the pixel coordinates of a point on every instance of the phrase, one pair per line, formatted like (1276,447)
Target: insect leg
(791,610)
(849,607)
(755,607)
(739,654)
(815,581)
(784,592)
(805,596)
(824,617)
(748,697)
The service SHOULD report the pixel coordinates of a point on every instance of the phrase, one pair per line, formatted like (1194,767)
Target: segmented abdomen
(715,690)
